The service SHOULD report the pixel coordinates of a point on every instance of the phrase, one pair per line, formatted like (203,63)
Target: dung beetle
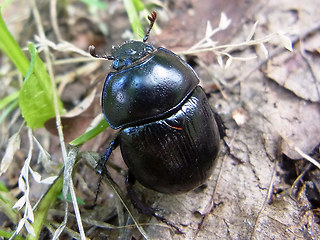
(169,135)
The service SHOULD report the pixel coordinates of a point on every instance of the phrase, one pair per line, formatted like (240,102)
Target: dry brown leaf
(295,119)
(297,73)
(12,147)
(75,121)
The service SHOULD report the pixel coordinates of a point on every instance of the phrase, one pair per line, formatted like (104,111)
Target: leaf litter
(277,102)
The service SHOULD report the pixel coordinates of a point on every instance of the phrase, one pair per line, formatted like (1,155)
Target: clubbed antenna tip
(152,18)
(92,51)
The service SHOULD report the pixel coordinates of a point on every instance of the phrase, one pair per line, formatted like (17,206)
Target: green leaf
(6,234)
(36,97)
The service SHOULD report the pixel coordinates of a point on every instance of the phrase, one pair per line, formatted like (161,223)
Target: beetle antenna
(152,18)
(92,51)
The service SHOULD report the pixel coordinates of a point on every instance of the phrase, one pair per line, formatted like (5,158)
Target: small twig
(56,108)
(117,191)
(206,67)
(54,19)
(301,175)
(275,53)
(229,47)
(53,84)
(76,210)
(305,156)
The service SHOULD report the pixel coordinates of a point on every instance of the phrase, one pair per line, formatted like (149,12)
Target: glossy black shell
(147,89)
(169,136)
(177,153)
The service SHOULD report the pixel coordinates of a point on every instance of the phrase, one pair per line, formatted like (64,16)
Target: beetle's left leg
(102,164)
(142,207)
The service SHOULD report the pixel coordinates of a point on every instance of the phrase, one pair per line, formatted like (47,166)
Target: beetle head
(132,51)
(128,53)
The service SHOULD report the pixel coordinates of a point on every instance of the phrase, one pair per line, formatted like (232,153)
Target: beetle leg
(222,128)
(222,131)
(136,201)
(101,165)
(144,208)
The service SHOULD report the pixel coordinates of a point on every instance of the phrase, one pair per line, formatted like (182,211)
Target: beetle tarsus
(98,189)
(238,160)
(144,208)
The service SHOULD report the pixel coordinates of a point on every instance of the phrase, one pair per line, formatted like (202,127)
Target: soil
(267,96)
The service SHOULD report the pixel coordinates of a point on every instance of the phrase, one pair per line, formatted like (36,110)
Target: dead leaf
(188,27)
(293,118)
(12,147)
(296,73)
(75,121)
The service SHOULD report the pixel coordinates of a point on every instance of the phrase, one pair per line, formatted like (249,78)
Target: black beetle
(169,136)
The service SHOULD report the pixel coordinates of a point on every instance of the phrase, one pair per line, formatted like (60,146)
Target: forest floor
(261,74)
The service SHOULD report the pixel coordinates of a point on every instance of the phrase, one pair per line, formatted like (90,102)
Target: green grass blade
(8,110)
(90,134)
(133,15)
(12,49)
(5,101)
